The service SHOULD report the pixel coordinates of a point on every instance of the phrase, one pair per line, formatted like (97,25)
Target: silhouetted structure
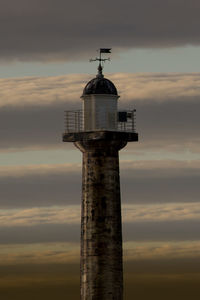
(100,131)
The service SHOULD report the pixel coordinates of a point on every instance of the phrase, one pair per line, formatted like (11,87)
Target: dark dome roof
(100,85)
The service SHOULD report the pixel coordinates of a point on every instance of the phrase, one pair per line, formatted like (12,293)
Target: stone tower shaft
(101,269)
(101,232)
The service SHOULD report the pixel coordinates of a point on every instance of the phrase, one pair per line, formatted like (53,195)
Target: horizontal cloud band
(64,32)
(58,185)
(135,232)
(32,109)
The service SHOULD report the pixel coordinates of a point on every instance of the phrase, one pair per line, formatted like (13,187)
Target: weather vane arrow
(100,59)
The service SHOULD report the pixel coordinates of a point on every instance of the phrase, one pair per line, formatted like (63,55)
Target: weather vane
(100,59)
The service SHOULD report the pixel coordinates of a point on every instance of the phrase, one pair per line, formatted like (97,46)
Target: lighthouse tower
(100,131)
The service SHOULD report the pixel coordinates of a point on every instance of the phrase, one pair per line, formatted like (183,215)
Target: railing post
(67,121)
(78,120)
(132,120)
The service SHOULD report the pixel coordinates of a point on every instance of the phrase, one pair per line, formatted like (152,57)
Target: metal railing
(74,121)
(129,124)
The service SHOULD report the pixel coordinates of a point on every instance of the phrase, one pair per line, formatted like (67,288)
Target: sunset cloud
(32,110)
(160,197)
(153,182)
(49,253)
(67,89)
(63,32)
(62,253)
(40,177)
(141,223)
(70,214)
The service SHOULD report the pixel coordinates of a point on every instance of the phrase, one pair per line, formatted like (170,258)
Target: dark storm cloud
(136,231)
(32,109)
(53,30)
(163,185)
(40,234)
(62,185)
(38,189)
(22,127)
(172,124)
(166,124)
(186,230)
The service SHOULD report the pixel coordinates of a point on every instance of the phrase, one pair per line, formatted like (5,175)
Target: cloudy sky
(44,65)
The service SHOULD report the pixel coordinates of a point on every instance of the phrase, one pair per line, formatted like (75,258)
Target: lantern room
(100,104)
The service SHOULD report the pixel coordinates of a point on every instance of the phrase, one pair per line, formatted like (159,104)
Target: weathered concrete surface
(101,233)
(100,135)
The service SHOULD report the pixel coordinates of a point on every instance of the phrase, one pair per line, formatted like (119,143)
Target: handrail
(74,121)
